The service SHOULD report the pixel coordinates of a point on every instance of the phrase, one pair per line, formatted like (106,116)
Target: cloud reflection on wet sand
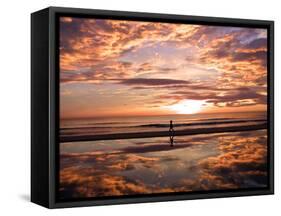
(204,162)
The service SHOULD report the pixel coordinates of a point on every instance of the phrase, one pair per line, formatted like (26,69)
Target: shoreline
(152,134)
(163,125)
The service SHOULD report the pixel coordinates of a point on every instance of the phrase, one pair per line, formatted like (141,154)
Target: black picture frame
(45,105)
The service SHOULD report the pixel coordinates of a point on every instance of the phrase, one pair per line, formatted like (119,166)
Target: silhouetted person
(171,125)
(172,133)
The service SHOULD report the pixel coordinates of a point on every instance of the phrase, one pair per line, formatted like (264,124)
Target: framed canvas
(139,107)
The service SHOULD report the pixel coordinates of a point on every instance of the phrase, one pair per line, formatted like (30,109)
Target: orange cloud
(118,52)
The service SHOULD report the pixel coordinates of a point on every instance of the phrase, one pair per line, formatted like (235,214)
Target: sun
(187,106)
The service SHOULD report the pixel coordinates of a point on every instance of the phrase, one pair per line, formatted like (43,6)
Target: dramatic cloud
(147,62)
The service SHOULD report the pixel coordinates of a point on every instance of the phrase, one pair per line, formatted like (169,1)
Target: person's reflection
(171,133)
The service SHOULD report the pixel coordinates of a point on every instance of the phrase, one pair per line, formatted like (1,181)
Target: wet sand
(185,132)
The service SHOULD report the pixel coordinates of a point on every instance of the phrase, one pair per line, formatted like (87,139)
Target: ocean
(111,125)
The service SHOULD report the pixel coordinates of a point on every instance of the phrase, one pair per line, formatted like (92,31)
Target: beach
(128,156)
(186,132)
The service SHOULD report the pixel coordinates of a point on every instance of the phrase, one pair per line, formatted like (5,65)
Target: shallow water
(151,165)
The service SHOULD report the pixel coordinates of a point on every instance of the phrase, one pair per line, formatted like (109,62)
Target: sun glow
(187,106)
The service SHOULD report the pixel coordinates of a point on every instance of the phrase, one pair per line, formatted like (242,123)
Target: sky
(134,68)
